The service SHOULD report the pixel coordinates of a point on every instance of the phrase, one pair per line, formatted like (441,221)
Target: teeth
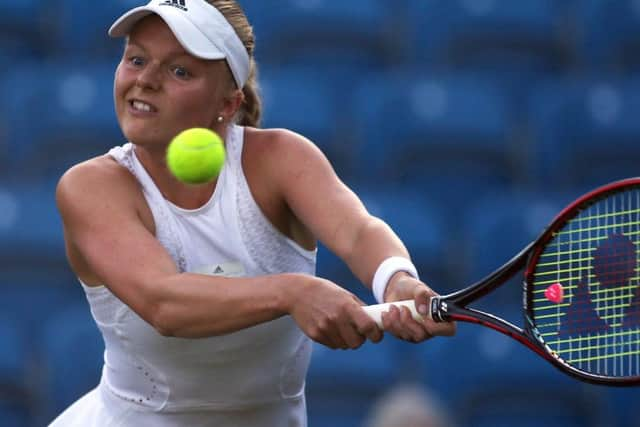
(141,106)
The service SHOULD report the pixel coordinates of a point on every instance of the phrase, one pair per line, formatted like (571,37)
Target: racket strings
(595,259)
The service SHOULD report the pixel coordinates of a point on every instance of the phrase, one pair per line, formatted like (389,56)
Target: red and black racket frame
(453,307)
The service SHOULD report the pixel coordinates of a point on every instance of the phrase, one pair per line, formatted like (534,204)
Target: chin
(142,135)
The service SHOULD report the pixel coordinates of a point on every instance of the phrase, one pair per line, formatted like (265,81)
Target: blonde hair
(250,112)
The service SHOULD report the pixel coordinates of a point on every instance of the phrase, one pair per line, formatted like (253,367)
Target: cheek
(197,106)
(120,85)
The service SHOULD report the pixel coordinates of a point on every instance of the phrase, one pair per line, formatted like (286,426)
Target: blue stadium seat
(488,379)
(330,267)
(339,391)
(69,376)
(620,400)
(22,27)
(32,303)
(302,99)
(356,31)
(30,228)
(76,122)
(497,228)
(495,34)
(608,34)
(16,399)
(447,136)
(82,27)
(585,132)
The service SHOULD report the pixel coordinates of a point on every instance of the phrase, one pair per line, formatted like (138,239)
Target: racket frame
(454,306)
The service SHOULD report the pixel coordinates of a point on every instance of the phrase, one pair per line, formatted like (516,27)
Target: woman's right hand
(331,315)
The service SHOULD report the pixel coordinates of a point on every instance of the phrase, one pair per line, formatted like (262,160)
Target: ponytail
(251,109)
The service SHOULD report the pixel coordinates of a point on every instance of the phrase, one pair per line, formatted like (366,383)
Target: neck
(153,159)
(186,196)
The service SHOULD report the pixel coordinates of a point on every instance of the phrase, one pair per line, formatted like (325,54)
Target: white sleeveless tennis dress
(254,377)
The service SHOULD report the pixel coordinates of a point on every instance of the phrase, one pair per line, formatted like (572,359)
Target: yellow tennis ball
(196,155)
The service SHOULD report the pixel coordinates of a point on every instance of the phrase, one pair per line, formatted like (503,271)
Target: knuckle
(323,324)
(314,333)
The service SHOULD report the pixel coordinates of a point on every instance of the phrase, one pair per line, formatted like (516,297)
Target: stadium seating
(23,27)
(81,27)
(464,124)
(497,228)
(16,400)
(620,400)
(487,379)
(302,99)
(494,34)
(30,228)
(68,378)
(608,34)
(340,389)
(584,131)
(296,30)
(444,135)
(76,122)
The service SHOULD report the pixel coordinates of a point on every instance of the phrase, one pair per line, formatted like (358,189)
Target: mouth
(141,106)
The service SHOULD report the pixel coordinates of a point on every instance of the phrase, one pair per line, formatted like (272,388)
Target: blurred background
(465,124)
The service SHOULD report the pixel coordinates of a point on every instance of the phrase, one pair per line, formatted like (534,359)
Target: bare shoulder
(281,150)
(276,138)
(98,180)
(91,172)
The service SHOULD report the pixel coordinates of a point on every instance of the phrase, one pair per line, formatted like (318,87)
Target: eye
(136,61)
(181,72)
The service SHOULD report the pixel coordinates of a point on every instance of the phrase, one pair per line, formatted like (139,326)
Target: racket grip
(375,311)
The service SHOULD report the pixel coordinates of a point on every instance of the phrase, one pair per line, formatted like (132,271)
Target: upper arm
(316,195)
(98,202)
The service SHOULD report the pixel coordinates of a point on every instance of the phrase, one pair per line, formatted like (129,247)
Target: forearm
(373,242)
(195,305)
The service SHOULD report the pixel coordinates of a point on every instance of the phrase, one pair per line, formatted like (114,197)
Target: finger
(446,329)
(416,330)
(324,340)
(422,297)
(339,341)
(332,335)
(350,335)
(367,326)
(395,325)
(389,319)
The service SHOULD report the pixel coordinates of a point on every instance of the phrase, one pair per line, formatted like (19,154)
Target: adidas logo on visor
(180,4)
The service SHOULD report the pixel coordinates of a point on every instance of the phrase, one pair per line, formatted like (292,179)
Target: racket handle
(375,311)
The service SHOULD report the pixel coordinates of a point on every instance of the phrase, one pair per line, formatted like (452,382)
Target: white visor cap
(199,27)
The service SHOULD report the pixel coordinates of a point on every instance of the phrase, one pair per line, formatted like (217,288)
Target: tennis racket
(581,289)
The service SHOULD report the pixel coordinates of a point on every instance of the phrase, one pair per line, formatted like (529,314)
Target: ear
(232,103)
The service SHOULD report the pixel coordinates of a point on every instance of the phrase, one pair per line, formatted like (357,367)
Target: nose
(149,77)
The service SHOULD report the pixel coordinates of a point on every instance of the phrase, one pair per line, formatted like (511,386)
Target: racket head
(582,287)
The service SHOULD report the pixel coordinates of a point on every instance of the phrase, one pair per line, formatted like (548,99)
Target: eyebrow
(173,54)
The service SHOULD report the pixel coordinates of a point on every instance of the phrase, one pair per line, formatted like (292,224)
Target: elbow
(162,320)
(159,312)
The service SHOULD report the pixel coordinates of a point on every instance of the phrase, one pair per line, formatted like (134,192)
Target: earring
(220,119)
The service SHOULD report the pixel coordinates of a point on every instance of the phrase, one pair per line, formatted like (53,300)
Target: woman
(206,295)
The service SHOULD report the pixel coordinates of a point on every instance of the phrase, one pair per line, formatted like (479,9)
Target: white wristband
(388,268)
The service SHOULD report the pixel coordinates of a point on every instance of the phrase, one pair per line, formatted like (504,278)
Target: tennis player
(206,295)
